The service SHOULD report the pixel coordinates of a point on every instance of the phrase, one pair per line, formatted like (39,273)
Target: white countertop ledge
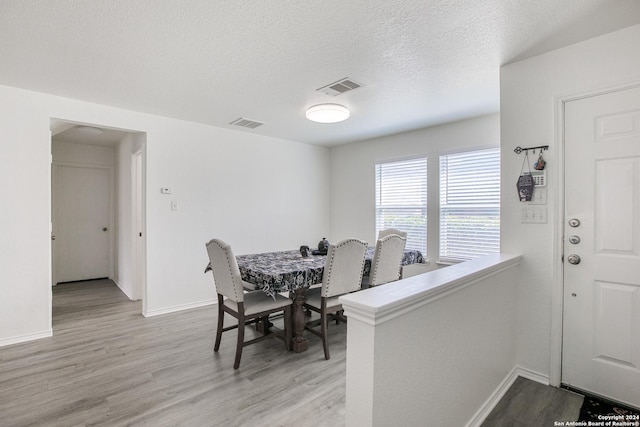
(383,303)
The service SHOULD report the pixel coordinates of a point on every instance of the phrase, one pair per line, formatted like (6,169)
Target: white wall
(257,193)
(69,152)
(456,353)
(353,172)
(531,91)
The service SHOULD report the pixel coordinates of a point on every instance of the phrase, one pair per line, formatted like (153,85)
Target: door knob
(573,259)
(574,240)
(104,228)
(574,222)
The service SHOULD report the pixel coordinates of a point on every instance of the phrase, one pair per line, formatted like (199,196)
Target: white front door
(601,325)
(82,219)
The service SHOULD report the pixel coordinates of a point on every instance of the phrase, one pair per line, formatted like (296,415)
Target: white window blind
(469,204)
(401,200)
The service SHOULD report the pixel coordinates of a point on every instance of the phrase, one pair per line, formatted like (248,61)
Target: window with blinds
(401,200)
(469,204)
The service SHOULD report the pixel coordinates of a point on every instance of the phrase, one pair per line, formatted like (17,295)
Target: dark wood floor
(531,404)
(106,365)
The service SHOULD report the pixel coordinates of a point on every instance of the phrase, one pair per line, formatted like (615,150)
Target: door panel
(615,187)
(614,318)
(82,221)
(601,325)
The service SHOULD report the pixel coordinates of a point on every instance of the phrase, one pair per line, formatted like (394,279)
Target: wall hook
(542,148)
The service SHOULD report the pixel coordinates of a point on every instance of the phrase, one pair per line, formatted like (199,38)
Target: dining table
(289,271)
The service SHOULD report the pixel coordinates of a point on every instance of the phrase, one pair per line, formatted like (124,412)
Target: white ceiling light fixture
(328,113)
(90,130)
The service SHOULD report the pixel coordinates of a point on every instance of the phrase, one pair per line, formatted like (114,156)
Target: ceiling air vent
(339,87)
(246,123)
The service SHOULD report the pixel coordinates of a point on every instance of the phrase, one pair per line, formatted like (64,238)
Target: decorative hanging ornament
(525,183)
(540,163)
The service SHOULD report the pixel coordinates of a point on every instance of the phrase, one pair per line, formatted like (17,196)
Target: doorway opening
(98,205)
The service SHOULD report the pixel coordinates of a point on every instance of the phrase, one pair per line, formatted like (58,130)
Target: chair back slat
(343,268)
(387,259)
(226,273)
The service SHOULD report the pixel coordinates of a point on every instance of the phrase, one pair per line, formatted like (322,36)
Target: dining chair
(342,275)
(386,264)
(388,231)
(248,287)
(246,307)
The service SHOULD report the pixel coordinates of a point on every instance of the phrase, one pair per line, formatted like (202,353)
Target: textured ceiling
(420,62)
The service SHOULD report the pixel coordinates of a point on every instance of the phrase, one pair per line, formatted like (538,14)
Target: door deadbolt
(574,259)
(574,240)
(574,222)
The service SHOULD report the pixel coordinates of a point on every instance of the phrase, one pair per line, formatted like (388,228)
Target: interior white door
(81,222)
(601,325)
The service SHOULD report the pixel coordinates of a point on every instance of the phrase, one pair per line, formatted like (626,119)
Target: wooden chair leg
(240,342)
(287,328)
(216,347)
(325,339)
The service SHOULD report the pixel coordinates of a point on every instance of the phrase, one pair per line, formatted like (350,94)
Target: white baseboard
(127,292)
(181,307)
(484,411)
(533,375)
(25,338)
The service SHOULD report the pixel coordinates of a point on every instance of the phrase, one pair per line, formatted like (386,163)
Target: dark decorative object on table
(304,251)
(323,247)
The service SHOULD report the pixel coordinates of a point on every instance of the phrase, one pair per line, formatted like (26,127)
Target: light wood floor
(106,365)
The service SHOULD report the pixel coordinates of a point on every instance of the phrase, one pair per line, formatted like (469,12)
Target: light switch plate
(174,205)
(534,214)
(165,190)
(539,196)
